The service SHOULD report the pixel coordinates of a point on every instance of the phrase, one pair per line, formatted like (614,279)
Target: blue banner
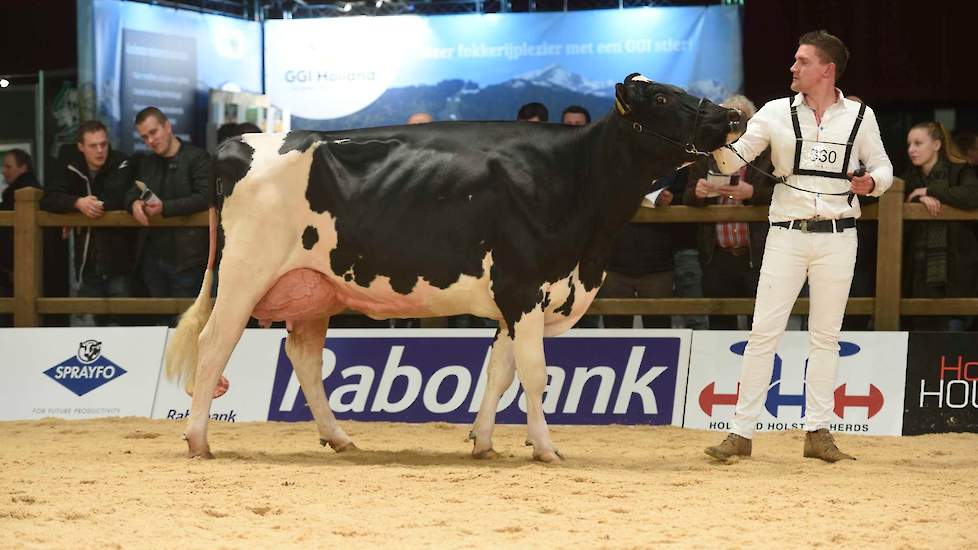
(169,58)
(592,380)
(351,72)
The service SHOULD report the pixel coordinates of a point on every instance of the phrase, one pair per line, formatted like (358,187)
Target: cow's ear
(621,100)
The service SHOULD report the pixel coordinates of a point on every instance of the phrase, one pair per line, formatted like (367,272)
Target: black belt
(818,226)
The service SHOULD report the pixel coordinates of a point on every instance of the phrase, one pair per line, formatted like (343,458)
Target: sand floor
(125,483)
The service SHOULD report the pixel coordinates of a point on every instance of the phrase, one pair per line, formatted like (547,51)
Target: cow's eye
(661,99)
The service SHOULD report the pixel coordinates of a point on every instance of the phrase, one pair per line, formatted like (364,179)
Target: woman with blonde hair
(942,256)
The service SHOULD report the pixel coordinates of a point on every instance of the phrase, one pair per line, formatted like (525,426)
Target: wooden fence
(886,306)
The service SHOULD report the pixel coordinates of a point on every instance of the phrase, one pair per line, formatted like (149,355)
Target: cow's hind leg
(498,378)
(304,347)
(532,368)
(240,290)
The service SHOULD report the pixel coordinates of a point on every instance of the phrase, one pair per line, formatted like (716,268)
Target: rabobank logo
(86,370)
(422,379)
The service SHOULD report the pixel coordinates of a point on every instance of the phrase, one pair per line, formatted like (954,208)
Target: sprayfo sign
(868,395)
(633,377)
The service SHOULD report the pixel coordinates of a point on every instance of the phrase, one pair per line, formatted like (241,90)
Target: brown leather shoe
(821,444)
(733,445)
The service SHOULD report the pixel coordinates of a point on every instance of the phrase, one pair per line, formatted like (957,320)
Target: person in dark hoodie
(95,179)
(18,173)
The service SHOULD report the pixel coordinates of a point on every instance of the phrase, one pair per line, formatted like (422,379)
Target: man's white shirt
(772,126)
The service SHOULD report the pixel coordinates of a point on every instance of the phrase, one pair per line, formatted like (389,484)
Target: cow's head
(674,119)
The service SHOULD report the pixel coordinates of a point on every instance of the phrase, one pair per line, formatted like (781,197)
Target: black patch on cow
(310,237)
(430,201)
(568,305)
(546,300)
(299,140)
(231,163)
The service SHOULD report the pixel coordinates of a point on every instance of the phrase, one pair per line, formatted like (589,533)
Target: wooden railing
(886,307)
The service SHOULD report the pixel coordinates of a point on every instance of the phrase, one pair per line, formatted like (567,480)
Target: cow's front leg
(304,346)
(499,376)
(532,368)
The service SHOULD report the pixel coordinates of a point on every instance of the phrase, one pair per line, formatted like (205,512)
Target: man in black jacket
(95,179)
(18,173)
(177,173)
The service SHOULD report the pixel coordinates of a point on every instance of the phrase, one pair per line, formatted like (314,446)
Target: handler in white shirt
(818,141)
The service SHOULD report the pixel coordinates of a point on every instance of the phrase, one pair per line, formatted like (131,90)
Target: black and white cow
(507,220)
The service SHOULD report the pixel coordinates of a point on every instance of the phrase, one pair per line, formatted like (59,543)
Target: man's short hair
(150,112)
(576,109)
(830,49)
(533,110)
(21,158)
(89,127)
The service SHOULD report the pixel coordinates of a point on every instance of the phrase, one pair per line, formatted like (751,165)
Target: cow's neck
(621,173)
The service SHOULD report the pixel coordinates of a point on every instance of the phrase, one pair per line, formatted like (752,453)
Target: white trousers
(827,260)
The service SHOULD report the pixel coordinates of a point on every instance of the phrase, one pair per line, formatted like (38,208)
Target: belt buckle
(803,226)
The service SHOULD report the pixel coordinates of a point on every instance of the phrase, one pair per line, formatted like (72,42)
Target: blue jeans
(100,285)
(164,281)
(688,283)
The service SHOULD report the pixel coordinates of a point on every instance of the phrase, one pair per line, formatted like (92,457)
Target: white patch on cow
(641,78)
(344,140)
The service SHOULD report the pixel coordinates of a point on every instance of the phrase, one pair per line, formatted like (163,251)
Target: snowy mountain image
(458,99)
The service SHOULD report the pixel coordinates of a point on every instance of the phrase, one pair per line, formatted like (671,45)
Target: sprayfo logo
(872,402)
(87,370)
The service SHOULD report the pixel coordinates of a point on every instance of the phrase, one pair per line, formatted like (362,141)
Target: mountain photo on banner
(484,67)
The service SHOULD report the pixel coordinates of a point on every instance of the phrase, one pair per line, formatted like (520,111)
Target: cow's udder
(297,295)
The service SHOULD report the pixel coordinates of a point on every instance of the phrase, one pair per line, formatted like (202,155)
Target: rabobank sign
(591,380)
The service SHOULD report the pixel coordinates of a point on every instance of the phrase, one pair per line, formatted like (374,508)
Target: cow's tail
(181,348)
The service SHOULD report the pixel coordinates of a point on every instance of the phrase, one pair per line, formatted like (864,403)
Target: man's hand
(741,191)
(664,198)
(139,212)
(933,205)
(862,185)
(152,208)
(703,188)
(90,206)
(917,193)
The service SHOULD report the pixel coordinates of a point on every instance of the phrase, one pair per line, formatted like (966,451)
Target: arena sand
(125,483)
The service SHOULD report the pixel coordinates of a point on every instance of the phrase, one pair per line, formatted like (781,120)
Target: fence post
(889,258)
(28,254)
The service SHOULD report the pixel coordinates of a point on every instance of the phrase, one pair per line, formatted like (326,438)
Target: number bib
(822,156)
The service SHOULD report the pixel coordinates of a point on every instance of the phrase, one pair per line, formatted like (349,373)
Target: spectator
(420,117)
(18,173)
(687,277)
(533,112)
(575,115)
(731,252)
(943,256)
(641,264)
(95,179)
(178,174)
(967,142)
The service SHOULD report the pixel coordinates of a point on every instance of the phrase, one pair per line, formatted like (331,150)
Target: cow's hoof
(487,454)
(348,446)
(548,457)
(200,455)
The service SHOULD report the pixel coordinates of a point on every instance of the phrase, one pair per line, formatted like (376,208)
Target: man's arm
(873,155)
(58,197)
(755,140)
(196,201)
